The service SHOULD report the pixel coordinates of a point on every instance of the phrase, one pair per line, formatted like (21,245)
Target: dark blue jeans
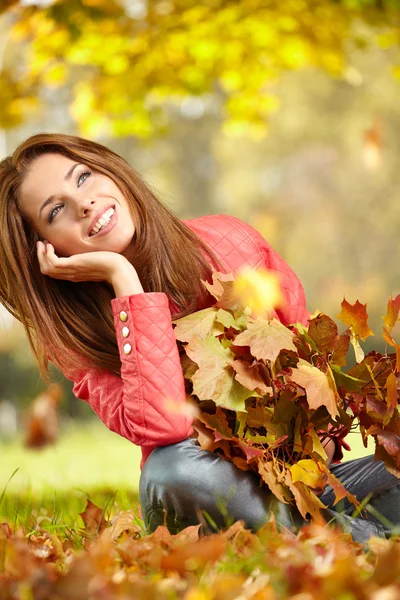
(182,485)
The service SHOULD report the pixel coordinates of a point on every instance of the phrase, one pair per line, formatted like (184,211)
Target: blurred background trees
(285,114)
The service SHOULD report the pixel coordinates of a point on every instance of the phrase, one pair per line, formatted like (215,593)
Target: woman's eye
(54,211)
(82,177)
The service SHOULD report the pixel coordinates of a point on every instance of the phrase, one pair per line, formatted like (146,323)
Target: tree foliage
(126,62)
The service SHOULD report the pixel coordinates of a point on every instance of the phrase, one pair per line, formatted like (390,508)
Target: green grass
(85,457)
(51,485)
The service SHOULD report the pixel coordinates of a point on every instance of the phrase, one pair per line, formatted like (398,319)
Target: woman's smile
(104,223)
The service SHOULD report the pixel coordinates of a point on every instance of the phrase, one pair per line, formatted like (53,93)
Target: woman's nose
(86,207)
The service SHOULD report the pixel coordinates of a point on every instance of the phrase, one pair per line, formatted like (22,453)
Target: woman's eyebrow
(66,178)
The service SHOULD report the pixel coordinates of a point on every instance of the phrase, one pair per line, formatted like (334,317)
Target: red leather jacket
(137,405)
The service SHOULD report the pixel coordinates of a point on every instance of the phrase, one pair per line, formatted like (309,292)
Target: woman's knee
(184,480)
(175,465)
(173,484)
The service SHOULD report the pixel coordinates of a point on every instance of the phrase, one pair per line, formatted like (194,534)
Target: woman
(96,269)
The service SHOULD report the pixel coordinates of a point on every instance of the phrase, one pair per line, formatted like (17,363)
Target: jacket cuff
(126,309)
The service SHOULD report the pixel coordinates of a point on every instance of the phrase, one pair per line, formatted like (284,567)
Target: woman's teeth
(104,220)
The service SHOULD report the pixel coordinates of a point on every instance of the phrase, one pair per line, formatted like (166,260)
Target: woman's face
(74,208)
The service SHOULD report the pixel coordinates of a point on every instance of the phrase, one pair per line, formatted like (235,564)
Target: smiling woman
(96,269)
(76,212)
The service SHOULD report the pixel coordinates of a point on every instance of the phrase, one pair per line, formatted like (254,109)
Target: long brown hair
(71,322)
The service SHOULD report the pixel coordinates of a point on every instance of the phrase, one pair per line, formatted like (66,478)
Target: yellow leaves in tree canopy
(164,52)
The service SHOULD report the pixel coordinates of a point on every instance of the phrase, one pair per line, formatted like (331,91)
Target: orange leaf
(259,289)
(42,428)
(219,423)
(191,557)
(389,340)
(392,312)
(355,316)
(123,522)
(222,288)
(306,501)
(317,386)
(338,488)
(323,330)
(391,387)
(269,475)
(93,518)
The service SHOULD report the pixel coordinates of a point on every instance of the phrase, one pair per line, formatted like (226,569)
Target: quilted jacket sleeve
(146,403)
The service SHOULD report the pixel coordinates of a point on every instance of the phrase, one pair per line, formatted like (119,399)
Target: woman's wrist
(125,280)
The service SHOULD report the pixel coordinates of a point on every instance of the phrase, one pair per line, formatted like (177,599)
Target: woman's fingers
(90,266)
(49,262)
(42,258)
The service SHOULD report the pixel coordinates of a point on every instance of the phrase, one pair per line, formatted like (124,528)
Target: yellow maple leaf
(307,471)
(259,289)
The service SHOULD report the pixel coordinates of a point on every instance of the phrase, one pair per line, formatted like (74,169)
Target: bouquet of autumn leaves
(267,396)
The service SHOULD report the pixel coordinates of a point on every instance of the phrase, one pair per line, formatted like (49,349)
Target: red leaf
(250,452)
(249,376)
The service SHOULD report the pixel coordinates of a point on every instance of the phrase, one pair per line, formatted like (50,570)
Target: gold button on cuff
(123,316)
(127,348)
(125,331)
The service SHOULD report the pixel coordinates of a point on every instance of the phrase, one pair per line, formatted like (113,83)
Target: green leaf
(241,418)
(285,408)
(227,319)
(200,323)
(345,381)
(208,352)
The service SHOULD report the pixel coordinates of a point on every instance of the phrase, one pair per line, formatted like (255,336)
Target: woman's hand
(329,447)
(90,266)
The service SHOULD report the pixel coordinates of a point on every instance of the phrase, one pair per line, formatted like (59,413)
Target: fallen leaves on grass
(122,561)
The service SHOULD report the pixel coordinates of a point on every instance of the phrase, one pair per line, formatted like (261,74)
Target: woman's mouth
(102,223)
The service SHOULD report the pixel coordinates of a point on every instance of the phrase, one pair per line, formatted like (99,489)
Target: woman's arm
(147,403)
